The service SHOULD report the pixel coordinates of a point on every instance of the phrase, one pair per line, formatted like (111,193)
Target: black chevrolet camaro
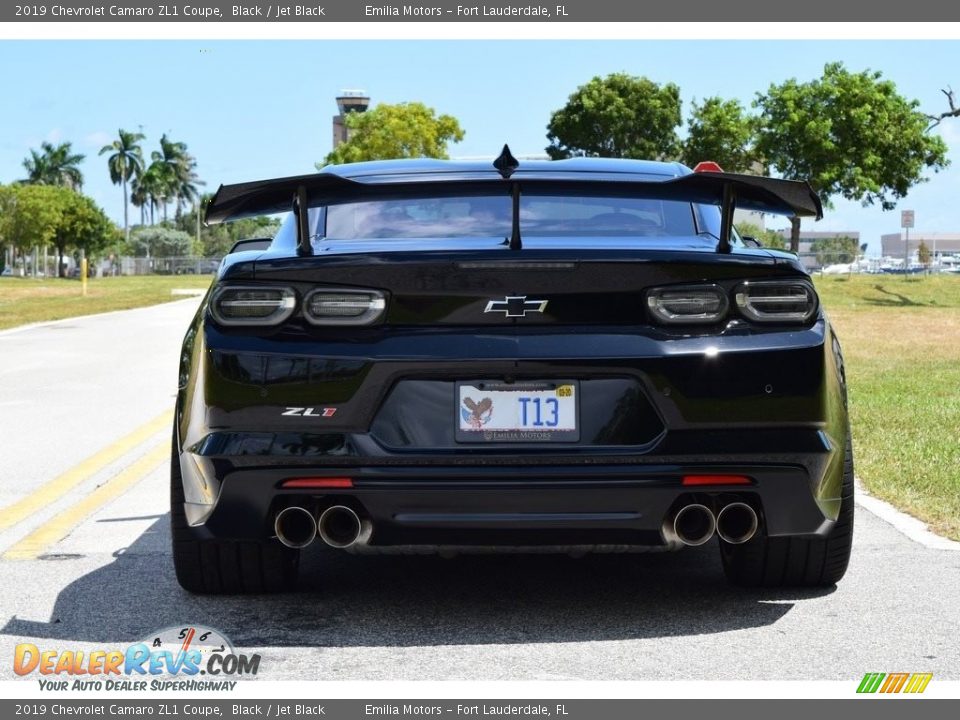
(579,355)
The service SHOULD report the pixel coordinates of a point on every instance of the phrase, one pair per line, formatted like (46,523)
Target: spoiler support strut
(515,242)
(302,213)
(727,208)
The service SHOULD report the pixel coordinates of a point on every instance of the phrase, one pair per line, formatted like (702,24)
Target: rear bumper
(769,406)
(510,505)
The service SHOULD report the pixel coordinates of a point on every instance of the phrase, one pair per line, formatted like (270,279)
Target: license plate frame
(567,392)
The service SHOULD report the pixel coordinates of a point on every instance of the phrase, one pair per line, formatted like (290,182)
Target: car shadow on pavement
(346,600)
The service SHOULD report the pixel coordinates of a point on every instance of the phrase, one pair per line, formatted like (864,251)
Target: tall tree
(851,135)
(619,116)
(54,165)
(720,130)
(404,130)
(176,179)
(152,190)
(125,162)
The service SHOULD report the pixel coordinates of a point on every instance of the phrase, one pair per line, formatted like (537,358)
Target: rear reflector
(331,482)
(715,480)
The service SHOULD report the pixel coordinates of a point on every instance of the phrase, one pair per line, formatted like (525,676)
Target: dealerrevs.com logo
(175,658)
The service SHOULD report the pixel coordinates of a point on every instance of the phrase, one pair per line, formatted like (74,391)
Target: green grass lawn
(25,300)
(901,342)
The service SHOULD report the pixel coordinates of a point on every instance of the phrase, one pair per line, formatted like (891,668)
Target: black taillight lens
(688,305)
(776,301)
(253,305)
(339,306)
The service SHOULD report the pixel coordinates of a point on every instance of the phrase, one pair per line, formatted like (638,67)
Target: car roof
(412,170)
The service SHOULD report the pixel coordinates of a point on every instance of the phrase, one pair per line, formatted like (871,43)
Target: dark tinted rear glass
(489,216)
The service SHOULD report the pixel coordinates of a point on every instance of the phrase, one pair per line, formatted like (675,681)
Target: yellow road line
(48,534)
(62,484)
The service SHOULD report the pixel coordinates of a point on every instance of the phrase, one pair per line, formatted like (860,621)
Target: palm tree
(125,162)
(153,189)
(54,165)
(178,170)
(139,198)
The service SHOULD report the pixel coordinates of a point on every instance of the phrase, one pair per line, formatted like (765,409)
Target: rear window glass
(490,216)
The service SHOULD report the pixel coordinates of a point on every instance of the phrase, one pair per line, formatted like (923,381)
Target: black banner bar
(469,11)
(201,709)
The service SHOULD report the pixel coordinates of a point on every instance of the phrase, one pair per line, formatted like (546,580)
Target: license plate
(521,411)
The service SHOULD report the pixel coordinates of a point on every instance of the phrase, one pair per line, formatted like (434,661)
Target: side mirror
(750,241)
(250,244)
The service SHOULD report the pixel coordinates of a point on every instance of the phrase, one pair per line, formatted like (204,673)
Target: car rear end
(630,390)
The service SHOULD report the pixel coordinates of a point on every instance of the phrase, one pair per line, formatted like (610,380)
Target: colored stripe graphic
(870,682)
(894,683)
(918,683)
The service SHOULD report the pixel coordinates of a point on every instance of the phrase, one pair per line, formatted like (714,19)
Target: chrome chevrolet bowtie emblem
(516,306)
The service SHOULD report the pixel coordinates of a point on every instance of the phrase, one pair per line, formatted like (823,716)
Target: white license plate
(521,411)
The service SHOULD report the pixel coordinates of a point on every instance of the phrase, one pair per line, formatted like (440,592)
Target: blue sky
(250,109)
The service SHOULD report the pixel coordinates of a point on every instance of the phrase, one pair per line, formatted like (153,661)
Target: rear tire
(207,566)
(796,562)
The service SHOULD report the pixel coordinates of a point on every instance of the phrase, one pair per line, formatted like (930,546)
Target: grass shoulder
(901,341)
(28,300)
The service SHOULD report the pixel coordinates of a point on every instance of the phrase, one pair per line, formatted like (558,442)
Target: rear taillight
(699,304)
(777,301)
(344,307)
(253,305)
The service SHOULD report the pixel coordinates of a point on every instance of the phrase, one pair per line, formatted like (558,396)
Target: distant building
(894,244)
(348,101)
(807,237)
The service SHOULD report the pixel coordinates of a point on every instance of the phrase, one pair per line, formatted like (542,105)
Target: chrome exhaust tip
(341,527)
(694,524)
(737,523)
(295,527)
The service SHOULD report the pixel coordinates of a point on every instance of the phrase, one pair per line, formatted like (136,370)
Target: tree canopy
(720,130)
(30,214)
(160,242)
(619,116)
(404,130)
(831,251)
(851,135)
(766,238)
(33,215)
(54,165)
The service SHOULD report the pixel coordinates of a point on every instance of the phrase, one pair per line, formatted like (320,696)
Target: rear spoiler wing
(727,190)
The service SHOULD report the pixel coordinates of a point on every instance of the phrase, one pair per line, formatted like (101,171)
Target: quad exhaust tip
(737,523)
(295,527)
(341,527)
(694,524)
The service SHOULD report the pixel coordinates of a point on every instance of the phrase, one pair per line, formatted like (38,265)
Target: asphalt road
(84,432)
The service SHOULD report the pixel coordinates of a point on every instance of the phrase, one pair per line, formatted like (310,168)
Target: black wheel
(215,567)
(796,562)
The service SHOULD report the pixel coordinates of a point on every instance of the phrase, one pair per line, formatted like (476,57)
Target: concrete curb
(908,525)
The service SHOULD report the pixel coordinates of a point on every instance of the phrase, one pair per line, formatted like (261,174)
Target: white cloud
(54,136)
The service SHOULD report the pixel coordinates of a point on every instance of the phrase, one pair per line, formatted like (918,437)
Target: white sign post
(906,222)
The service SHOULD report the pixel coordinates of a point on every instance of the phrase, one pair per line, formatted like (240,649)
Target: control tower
(348,101)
